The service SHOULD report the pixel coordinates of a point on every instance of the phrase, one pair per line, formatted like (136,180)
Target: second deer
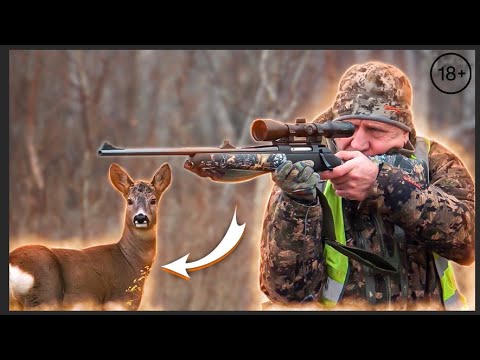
(100,277)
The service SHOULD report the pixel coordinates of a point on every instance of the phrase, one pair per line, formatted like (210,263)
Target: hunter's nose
(140,219)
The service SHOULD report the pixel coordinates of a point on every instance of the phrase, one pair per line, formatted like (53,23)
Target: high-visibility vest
(337,263)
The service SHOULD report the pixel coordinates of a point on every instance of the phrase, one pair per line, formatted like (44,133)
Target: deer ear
(161,179)
(120,179)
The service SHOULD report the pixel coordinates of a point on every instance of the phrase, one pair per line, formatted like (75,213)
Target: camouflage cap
(375,91)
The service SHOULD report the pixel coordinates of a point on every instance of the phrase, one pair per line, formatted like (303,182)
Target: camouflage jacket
(439,218)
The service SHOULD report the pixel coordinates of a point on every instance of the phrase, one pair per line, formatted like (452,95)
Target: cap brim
(375,118)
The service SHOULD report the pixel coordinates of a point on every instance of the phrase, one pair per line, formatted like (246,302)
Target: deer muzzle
(141,221)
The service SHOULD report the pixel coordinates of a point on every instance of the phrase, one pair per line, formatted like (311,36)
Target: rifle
(295,142)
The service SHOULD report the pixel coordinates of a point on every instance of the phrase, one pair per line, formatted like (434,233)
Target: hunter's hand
(353,179)
(213,174)
(297,180)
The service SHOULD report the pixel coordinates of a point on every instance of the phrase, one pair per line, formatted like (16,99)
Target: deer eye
(129,201)
(153,202)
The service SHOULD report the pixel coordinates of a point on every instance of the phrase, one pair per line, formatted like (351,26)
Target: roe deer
(97,277)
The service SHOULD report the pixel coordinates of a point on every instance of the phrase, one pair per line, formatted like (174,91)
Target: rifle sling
(372,260)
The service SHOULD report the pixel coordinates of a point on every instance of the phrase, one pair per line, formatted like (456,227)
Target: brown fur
(98,277)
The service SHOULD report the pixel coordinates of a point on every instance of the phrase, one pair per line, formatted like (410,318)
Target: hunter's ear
(406,137)
(120,179)
(161,179)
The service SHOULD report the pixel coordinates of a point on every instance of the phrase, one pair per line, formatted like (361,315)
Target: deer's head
(142,197)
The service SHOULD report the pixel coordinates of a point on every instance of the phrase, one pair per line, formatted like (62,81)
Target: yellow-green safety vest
(337,263)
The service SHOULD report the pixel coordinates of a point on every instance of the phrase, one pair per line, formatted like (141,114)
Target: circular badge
(451,73)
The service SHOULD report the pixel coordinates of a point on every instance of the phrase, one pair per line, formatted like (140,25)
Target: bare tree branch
(102,80)
(272,94)
(258,97)
(294,86)
(30,128)
(222,97)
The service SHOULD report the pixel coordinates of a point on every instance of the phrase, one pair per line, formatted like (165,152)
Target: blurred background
(64,104)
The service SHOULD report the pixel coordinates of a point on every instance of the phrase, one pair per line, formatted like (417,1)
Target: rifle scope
(271,130)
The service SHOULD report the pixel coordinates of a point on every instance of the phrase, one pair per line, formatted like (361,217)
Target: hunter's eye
(153,202)
(129,201)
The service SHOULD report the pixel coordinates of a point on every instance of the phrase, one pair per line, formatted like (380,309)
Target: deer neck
(138,246)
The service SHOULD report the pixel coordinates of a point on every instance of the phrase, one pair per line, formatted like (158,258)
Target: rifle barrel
(110,150)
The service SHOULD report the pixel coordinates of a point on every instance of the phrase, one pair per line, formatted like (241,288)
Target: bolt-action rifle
(295,142)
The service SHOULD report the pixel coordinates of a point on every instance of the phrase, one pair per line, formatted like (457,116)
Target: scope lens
(259,130)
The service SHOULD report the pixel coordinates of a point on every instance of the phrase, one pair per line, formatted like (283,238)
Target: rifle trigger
(327,164)
(227,145)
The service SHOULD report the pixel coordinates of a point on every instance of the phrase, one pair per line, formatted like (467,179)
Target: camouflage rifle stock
(295,142)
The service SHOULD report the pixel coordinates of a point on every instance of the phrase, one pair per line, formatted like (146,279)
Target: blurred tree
(64,104)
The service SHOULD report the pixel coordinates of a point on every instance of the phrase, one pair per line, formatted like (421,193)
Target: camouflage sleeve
(292,266)
(442,215)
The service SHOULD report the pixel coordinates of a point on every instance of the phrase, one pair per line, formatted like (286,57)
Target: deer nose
(140,219)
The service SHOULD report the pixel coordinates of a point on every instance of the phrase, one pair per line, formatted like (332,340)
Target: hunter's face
(373,137)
